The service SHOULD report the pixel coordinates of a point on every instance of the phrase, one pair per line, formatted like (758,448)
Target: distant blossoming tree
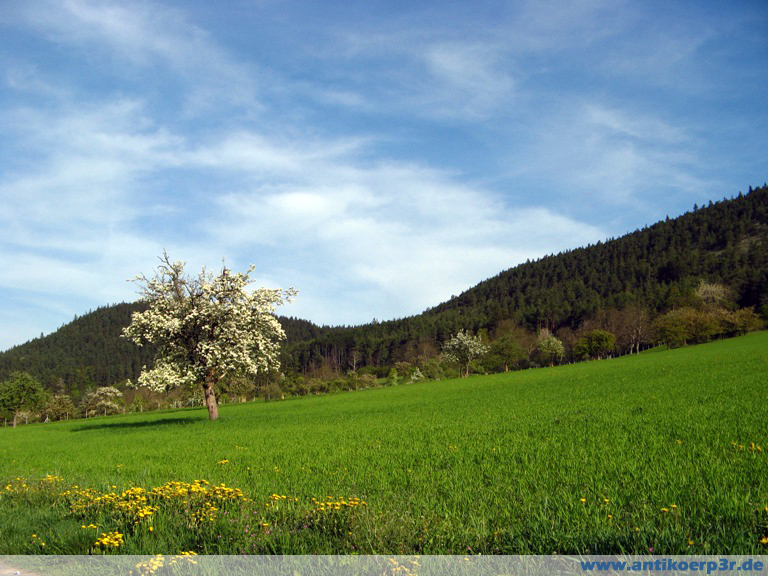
(463,348)
(206,328)
(104,400)
(59,407)
(550,347)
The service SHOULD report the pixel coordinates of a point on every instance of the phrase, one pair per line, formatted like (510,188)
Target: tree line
(709,313)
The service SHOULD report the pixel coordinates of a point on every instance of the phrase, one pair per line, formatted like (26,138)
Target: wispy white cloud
(564,25)
(468,79)
(252,152)
(147,38)
(616,123)
(406,235)
(87,158)
(27,78)
(435,75)
(615,156)
(470,64)
(663,56)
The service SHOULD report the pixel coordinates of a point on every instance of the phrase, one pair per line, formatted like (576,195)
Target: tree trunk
(14,419)
(210,397)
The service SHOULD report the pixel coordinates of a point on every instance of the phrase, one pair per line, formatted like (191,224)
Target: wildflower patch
(214,519)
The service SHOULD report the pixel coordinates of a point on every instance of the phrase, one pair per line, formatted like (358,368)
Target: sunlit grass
(665,452)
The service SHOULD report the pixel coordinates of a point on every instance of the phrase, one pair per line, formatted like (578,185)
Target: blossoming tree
(206,328)
(550,347)
(463,348)
(103,400)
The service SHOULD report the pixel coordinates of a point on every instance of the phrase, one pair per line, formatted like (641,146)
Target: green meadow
(665,452)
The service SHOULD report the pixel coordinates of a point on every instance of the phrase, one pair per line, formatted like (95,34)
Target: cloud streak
(146,40)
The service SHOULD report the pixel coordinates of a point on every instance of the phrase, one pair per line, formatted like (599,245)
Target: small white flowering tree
(206,328)
(463,348)
(550,347)
(104,400)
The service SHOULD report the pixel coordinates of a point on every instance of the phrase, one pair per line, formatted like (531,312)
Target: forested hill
(654,269)
(82,354)
(724,242)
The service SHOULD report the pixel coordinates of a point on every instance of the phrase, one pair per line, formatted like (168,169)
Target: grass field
(665,452)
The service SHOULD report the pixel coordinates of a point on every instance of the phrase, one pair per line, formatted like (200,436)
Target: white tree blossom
(206,328)
(550,347)
(103,400)
(463,348)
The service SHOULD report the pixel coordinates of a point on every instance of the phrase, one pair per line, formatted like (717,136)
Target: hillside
(653,270)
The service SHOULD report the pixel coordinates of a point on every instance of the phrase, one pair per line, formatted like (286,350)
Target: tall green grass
(664,452)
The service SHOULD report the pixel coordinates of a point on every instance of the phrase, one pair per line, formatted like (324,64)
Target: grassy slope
(494,464)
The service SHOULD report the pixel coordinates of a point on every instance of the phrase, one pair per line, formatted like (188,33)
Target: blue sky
(379,156)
